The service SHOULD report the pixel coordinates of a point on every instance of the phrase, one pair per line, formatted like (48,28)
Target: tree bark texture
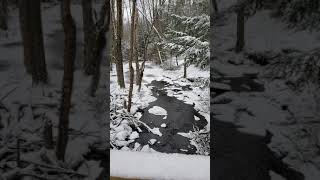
(119,61)
(31,30)
(69,59)
(131,53)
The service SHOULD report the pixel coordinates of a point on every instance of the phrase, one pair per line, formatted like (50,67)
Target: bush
(298,68)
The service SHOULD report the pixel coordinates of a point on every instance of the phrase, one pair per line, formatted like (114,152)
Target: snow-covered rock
(156,131)
(152,141)
(156,110)
(134,135)
(163,125)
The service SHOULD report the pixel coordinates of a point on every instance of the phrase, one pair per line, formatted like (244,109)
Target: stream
(180,118)
(245,83)
(246,155)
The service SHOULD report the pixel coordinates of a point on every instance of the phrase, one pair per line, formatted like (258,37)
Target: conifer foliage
(299,14)
(187,36)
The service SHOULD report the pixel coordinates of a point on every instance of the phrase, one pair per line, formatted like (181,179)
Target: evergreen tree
(299,14)
(188,37)
(298,68)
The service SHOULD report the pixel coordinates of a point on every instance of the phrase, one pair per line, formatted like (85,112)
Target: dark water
(4,65)
(180,118)
(245,83)
(247,156)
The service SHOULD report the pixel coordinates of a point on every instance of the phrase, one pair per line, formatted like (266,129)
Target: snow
(152,141)
(136,146)
(156,131)
(134,135)
(146,148)
(38,104)
(163,125)
(199,96)
(156,110)
(93,168)
(159,165)
(256,112)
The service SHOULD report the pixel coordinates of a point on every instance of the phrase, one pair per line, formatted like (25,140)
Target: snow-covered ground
(120,128)
(25,108)
(292,116)
(199,95)
(159,165)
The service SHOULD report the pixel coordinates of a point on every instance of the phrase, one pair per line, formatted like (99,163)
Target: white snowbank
(159,165)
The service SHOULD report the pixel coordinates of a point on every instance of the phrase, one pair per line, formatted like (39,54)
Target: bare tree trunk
(100,44)
(88,28)
(185,68)
(18,153)
(4,14)
(113,36)
(69,58)
(47,134)
(240,30)
(131,53)
(141,74)
(26,34)
(136,42)
(119,61)
(215,5)
(145,51)
(31,30)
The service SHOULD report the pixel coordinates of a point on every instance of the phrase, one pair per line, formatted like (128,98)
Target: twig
(58,169)
(8,93)
(36,176)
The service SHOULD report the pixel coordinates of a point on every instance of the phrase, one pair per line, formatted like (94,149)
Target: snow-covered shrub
(120,127)
(261,58)
(299,69)
(299,14)
(200,82)
(201,140)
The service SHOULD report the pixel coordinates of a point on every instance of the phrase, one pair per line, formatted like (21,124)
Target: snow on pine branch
(198,25)
(298,68)
(188,37)
(299,14)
